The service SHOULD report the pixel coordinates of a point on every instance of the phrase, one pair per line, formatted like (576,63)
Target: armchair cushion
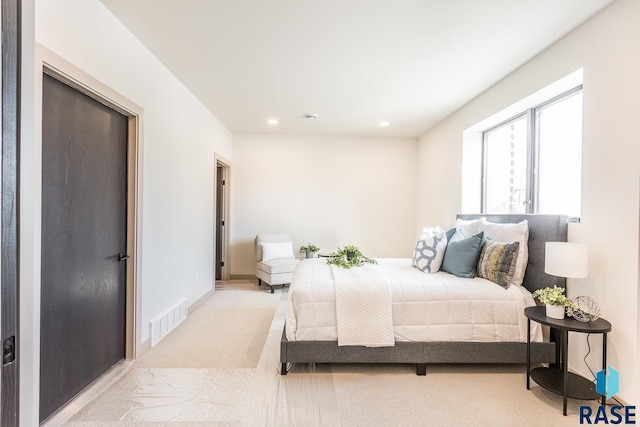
(278,265)
(277,250)
(268,238)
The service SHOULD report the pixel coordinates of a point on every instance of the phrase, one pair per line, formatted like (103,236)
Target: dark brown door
(84,228)
(219,220)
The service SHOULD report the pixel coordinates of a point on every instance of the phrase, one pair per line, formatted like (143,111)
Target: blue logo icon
(608,382)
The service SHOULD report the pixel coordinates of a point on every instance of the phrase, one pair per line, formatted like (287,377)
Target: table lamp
(570,260)
(564,259)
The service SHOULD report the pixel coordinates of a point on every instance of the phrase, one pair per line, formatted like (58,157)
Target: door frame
(10,100)
(51,64)
(220,161)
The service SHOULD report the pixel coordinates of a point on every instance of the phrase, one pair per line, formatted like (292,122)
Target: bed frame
(542,228)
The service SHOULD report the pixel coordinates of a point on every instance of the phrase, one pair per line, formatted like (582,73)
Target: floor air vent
(163,324)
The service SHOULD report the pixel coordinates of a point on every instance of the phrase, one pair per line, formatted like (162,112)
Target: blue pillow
(461,257)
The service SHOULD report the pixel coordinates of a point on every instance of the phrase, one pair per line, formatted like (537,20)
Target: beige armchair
(275,260)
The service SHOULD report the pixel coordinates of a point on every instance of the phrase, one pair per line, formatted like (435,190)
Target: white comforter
(425,307)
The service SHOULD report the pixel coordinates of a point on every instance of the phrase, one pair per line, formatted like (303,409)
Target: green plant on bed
(349,256)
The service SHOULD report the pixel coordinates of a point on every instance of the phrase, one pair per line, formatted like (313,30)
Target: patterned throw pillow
(429,250)
(497,262)
(509,233)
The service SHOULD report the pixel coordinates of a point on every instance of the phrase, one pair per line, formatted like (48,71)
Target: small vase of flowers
(555,300)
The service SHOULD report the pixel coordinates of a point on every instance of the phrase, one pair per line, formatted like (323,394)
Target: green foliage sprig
(309,248)
(553,296)
(349,256)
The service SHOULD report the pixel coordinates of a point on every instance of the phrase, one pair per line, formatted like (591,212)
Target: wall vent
(167,321)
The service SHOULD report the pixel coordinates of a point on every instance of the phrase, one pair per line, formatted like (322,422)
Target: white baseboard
(144,346)
(197,303)
(242,277)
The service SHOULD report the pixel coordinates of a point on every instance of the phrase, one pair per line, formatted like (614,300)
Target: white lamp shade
(565,259)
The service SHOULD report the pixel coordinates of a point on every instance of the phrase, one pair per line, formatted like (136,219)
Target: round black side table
(558,379)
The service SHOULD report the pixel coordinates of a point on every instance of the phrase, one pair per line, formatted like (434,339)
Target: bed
(309,335)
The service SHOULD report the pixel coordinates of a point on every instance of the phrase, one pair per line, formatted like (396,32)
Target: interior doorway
(221,234)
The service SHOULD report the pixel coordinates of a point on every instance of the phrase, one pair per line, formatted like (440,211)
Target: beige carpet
(227,331)
(224,386)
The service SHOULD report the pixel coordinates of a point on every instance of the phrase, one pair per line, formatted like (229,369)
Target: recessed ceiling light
(384,124)
(272,121)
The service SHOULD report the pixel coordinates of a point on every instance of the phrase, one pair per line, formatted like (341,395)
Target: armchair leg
(259,282)
(271,288)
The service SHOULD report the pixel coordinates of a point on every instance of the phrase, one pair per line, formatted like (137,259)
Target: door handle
(122,257)
(8,350)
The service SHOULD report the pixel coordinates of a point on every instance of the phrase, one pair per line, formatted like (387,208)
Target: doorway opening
(221,233)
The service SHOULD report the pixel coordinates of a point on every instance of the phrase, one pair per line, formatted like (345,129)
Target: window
(532,163)
(505,167)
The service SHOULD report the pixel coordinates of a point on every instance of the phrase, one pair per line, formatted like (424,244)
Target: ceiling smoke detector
(311,116)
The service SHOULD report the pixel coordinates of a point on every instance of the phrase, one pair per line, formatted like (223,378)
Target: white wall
(330,191)
(606,46)
(177,167)
(180,139)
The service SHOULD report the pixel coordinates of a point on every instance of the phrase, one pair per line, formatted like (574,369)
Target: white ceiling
(353,62)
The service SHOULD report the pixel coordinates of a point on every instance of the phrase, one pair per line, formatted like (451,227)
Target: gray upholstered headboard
(542,228)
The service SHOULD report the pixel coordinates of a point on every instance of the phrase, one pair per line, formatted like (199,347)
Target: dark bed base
(542,228)
(418,353)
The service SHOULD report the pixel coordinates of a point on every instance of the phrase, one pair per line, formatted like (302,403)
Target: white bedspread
(363,306)
(425,307)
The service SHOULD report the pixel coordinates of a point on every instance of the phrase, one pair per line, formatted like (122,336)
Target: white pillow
(469,227)
(429,251)
(277,250)
(509,233)
(457,236)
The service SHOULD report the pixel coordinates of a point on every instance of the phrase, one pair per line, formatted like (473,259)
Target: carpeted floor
(220,368)
(227,331)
